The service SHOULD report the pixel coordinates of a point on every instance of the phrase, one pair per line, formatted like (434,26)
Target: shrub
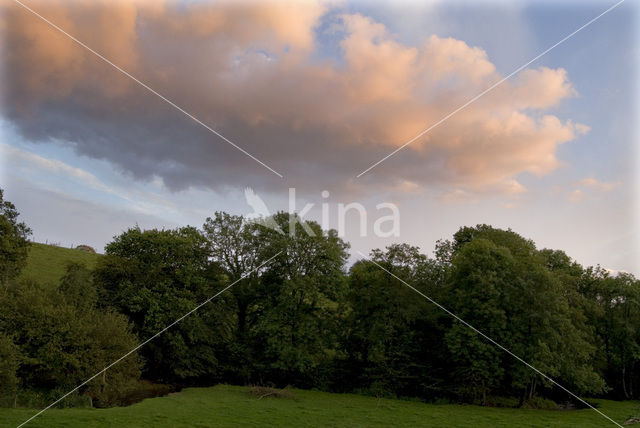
(540,403)
(496,401)
(9,363)
(131,391)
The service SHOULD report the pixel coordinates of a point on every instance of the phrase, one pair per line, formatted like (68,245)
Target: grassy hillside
(46,263)
(232,406)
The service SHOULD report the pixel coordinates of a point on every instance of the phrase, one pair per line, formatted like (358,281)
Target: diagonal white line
(489,89)
(149,340)
(491,340)
(171,103)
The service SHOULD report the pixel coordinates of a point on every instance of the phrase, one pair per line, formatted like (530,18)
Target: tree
(481,273)
(13,241)
(78,288)
(389,334)
(235,246)
(534,304)
(617,324)
(155,277)
(13,256)
(9,364)
(109,337)
(286,309)
(298,301)
(60,345)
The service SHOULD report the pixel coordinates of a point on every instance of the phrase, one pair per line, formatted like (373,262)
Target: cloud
(576,196)
(592,183)
(458,196)
(513,188)
(250,71)
(616,272)
(13,156)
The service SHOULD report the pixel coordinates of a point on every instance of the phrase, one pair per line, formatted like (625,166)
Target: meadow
(232,406)
(47,263)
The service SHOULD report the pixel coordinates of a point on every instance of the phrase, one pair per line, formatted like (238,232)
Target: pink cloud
(576,196)
(592,183)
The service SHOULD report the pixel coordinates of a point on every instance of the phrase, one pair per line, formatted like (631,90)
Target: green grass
(47,263)
(231,406)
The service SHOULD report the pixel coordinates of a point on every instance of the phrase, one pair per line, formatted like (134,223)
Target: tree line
(309,320)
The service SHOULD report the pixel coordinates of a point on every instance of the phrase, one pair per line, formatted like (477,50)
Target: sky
(317,92)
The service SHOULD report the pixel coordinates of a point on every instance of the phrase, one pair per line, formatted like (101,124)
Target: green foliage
(498,401)
(110,338)
(61,341)
(539,403)
(288,309)
(13,241)
(617,323)
(504,287)
(481,275)
(235,246)
(9,364)
(389,334)
(77,287)
(155,277)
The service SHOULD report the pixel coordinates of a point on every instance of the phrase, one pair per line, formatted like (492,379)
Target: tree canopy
(296,313)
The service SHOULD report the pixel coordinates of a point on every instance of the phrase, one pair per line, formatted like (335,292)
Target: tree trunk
(532,388)
(535,387)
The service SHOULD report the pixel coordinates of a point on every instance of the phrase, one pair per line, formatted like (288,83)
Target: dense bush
(153,278)
(59,343)
(9,364)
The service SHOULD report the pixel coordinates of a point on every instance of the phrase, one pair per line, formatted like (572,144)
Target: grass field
(231,406)
(47,263)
